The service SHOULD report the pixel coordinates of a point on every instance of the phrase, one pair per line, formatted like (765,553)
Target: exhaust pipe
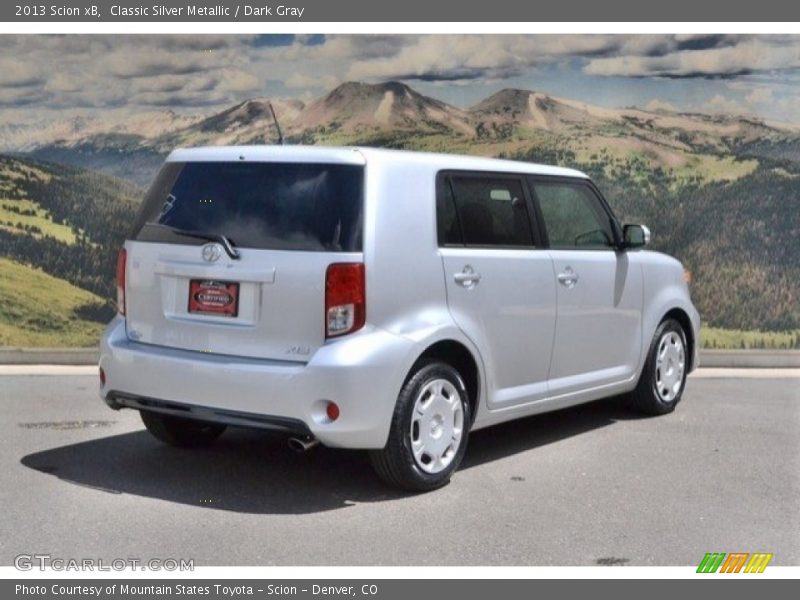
(302,444)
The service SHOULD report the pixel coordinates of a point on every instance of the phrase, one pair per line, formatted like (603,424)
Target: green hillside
(738,238)
(67,221)
(37,309)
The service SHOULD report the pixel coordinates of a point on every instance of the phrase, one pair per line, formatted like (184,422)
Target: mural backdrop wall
(696,136)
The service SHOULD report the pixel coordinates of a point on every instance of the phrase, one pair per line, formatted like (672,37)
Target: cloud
(203,43)
(20,96)
(150,62)
(138,71)
(303,81)
(656,105)
(170,83)
(759,95)
(469,57)
(179,99)
(239,80)
(16,73)
(455,57)
(722,104)
(703,41)
(62,82)
(199,73)
(736,57)
(193,90)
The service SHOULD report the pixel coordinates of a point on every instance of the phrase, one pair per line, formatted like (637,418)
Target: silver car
(385,300)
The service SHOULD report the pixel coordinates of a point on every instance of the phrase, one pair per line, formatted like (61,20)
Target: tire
(661,385)
(180,432)
(432,409)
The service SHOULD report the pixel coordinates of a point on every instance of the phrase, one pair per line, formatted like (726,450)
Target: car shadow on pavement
(507,439)
(255,472)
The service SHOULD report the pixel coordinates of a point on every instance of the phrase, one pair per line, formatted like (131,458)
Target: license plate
(210,297)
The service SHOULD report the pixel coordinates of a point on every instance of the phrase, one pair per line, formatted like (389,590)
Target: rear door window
(280,206)
(483,211)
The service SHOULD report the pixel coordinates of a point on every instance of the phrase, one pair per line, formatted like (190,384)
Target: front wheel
(428,435)
(663,378)
(180,432)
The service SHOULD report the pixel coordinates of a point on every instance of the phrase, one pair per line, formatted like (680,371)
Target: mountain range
(394,114)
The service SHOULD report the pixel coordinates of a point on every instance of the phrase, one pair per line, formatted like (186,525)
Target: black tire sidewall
(407,400)
(664,327)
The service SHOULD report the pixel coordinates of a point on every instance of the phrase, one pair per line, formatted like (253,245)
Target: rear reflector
(102,377)
(122,259)
(332,410)
(345,298)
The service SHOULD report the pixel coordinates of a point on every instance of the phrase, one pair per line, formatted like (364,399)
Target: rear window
(279,206)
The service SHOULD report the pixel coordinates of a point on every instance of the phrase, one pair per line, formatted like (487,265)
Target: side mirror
(635,236)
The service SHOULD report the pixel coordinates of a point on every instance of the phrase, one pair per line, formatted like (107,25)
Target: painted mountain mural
(721,192)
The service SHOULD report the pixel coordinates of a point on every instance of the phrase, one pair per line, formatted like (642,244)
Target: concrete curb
(751,359)
(748,359)
(49,356)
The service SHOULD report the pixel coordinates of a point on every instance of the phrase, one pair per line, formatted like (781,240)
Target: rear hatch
(264,295)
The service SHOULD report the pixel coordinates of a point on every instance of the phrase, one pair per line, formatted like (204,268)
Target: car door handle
(467,278)
(568,278)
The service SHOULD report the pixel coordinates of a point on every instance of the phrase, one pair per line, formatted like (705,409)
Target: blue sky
(53,76)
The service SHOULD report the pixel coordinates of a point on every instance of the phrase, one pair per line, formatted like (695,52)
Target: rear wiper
(202,235)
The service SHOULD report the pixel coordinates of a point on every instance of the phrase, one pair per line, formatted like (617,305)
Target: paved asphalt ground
(585,486)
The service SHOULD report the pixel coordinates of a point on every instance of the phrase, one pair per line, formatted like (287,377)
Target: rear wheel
(663,378)
(428,436)
(176,431)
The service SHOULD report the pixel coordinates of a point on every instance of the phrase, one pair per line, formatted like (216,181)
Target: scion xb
(385,300)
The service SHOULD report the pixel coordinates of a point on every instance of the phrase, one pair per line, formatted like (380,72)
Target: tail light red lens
(345,298)
(122,259)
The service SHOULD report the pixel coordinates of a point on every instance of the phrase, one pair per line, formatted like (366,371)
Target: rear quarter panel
(405,288)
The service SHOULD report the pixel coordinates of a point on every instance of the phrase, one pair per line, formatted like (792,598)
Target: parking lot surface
(584,486)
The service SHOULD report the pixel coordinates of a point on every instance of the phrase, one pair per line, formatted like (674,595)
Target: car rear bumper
(118,400)
(362,373)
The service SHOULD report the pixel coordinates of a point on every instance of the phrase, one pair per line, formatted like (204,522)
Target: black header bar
(412,11)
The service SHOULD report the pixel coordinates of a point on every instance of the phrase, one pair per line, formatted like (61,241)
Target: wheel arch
(682,317)
(462,359)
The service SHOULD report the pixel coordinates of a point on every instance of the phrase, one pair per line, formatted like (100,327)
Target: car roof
(359,155)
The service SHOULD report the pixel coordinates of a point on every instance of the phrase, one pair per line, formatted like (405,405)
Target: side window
(447,225)
(573,216)
(491,211)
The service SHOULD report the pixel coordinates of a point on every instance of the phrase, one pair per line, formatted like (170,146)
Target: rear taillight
(345,298)
(122,259)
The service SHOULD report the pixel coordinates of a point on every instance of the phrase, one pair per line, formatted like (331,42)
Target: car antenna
(277,125)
